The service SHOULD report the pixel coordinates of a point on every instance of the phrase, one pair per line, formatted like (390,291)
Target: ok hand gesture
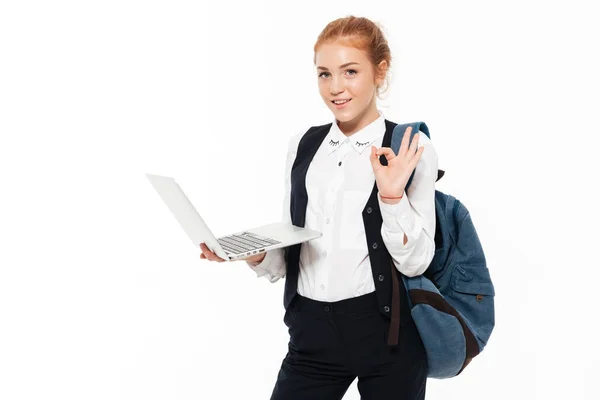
(392,179)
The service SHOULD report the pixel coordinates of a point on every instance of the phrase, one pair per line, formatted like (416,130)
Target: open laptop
(236,245)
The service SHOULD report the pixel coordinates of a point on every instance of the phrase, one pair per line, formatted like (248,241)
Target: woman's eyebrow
(341,66)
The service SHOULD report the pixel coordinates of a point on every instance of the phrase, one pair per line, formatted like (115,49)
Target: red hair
(360,33)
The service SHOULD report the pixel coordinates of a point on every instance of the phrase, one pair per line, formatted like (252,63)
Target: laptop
(230,247)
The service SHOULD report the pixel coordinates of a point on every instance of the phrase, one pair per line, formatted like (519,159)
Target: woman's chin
(343,115)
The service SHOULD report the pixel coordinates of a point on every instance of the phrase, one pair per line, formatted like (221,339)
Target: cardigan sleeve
(273,267)
(413,215)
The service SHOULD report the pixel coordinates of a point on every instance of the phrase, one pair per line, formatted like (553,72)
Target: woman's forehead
(335,55)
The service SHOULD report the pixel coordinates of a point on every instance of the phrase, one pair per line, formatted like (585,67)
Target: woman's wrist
(391,199)
(255,260)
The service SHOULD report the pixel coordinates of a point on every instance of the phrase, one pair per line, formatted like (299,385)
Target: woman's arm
(273,265)
(408,227)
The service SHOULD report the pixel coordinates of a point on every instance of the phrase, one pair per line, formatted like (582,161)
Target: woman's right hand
(209,255)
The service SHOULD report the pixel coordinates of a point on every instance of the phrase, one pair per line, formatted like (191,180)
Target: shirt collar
(359,140)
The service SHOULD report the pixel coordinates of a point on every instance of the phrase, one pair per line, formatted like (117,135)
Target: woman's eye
(348,70)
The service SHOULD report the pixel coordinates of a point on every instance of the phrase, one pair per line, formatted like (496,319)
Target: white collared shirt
(339,182)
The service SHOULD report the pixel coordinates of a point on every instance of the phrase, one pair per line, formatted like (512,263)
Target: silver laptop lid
(185,212)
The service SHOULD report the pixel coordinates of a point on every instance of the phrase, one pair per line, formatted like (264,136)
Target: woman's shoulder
(424,139)
(295,139)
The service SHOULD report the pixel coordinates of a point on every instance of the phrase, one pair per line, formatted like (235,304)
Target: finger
(374,158)
(209,255)
(205,249)
(417,157)
(405,140)
(414,143)
(387,151)
(212,256)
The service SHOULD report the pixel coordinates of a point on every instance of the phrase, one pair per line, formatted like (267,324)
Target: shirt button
(322,287)
(340,163)
(324,254)
(386,309)
(380,277)
(369,210)
(327,221)
(326,308)
(374,245)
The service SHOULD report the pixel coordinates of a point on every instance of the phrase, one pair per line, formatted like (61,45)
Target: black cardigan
(391,292)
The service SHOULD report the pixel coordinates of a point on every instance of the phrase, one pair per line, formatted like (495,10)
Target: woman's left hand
(392,179)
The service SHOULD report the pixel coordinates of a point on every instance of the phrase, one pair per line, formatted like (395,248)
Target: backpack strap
(397,136)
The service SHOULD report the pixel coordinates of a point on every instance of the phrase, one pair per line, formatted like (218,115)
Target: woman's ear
(380,73)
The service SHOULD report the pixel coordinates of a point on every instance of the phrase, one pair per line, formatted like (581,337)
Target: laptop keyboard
(245,242)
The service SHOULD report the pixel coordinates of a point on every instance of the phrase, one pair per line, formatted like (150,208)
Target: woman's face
(338,79)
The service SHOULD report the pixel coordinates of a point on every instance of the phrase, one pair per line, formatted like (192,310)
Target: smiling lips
(342,104)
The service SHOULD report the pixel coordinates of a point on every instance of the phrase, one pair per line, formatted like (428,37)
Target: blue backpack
(452,303)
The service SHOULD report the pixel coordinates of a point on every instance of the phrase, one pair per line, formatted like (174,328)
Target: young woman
(338,307)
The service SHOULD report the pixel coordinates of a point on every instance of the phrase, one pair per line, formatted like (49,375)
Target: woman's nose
(336,87)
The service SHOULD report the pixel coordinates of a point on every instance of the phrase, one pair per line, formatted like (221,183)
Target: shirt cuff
(398,217)
(271,265)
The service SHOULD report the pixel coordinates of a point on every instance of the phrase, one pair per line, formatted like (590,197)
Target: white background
(102,295)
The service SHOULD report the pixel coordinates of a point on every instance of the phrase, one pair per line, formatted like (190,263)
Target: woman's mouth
(341,104)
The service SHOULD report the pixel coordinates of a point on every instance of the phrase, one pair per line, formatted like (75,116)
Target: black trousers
(332,343)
